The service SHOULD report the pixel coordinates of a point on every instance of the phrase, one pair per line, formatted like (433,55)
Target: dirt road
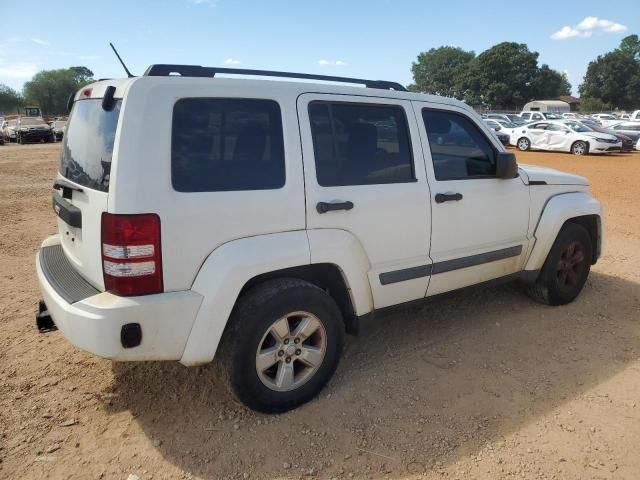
(483,385)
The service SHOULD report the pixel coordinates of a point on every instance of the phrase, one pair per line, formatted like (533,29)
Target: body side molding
(395,276)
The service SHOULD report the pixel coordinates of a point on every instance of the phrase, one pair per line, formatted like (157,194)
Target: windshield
(552,116)
(88,144)
(31,121)
(578,127)
(506,124)
(515,119)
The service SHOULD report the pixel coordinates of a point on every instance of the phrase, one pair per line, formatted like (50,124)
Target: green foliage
(550,84)
(591,105)
(442,71)
(614,78)
(630,46)
(10,100)
(50,89)
(505,76)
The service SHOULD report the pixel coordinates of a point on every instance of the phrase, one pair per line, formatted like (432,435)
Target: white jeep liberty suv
(256,221)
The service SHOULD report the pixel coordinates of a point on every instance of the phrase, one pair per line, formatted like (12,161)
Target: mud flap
(44,322)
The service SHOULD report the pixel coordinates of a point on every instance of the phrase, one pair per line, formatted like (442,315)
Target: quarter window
(459,150)
(226,145)
(360,144)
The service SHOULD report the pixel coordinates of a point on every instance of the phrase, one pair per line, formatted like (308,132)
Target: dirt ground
(482,385)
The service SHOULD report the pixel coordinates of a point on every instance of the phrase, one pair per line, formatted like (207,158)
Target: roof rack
(163,70)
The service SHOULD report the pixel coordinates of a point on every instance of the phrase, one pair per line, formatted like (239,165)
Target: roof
(569,99)
(558,103)
(295,88)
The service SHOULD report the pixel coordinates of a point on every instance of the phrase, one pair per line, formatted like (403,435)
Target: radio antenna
(129,74)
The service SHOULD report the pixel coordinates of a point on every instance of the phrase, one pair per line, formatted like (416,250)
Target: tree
(10,100)
(614,78)
(550,84)
(442,71)
(630,46)
(590,105)
(504,75)
(50,89)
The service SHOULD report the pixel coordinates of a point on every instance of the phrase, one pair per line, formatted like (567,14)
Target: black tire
(523,144)
(580,148)
(555,285)
(250,322)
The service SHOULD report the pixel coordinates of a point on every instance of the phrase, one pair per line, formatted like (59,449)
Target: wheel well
(591,224)
(328,277)
(583,141)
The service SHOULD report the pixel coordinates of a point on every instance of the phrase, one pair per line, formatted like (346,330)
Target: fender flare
(229,267)
(556,212)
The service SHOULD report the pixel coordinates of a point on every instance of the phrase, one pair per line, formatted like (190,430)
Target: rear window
(221,145)
(88,144)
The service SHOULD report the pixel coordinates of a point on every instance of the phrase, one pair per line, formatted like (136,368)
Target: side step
(44,322)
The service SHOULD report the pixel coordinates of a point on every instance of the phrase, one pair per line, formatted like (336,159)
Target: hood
(606,136)
(550,176)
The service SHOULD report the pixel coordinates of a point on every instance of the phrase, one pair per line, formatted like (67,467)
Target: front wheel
(566,268)
(282,345)
(579,148)
(524,144)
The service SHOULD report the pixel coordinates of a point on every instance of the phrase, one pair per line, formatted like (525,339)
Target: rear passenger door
(364,174)
(479,222)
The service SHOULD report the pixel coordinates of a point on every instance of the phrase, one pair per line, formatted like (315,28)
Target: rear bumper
(94,323)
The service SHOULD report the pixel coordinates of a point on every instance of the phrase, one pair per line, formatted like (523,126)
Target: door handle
(324,207)
(448,197)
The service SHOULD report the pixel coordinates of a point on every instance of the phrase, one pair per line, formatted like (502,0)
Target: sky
(376,39)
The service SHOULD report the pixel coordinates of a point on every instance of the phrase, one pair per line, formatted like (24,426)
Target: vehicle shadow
(418,389)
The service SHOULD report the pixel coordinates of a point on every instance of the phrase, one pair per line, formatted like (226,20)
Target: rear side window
(360,144)
(88,144)
(459,150)
(220,145)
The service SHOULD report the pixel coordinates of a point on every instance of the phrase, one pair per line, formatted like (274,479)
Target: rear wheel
(566,268)
(579,148)
(524,144)
(282,345)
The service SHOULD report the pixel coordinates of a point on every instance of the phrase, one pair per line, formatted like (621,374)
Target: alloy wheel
(291,351)
(570,265)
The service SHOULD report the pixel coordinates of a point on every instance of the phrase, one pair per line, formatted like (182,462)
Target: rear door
(81,190)
(365,175)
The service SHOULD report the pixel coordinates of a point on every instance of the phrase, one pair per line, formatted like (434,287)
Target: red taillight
(131,255)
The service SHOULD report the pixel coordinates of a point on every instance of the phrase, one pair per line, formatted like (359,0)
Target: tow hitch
(44,322)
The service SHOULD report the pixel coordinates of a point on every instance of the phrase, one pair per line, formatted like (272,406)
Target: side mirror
(506,165)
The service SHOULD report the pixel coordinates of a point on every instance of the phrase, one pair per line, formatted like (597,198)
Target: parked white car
(557,136)
(638,145)
(502,126)
(635,116)
(265,219)
(498,116)
(532,116)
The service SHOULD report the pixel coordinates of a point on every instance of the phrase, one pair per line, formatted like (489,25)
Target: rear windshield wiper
(66,187)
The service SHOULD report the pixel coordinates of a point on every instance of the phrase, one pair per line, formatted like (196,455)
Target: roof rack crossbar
(162,70)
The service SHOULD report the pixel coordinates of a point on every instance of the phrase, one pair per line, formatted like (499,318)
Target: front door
(479,222)
(364,174)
